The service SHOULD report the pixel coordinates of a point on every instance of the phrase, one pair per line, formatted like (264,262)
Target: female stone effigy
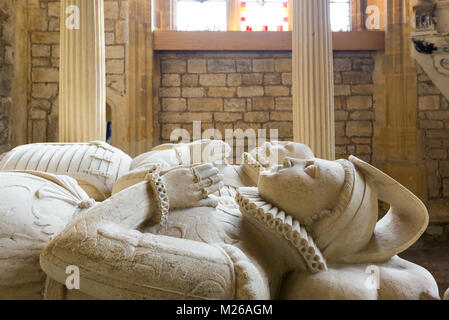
(288,227)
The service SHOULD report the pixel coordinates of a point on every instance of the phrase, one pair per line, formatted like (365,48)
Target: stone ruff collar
(253,206)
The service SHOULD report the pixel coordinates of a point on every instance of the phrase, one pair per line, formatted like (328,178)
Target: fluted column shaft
(313,83)
(82,91)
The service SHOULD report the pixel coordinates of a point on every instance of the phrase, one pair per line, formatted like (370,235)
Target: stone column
(397,141)
(82,89)
(313,92)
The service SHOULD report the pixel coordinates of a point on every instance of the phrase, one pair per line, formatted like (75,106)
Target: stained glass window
(253,15)
(206,15)
(264,15)
(340,13)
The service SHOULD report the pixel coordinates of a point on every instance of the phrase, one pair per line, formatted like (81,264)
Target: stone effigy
(34,208)
(290,227)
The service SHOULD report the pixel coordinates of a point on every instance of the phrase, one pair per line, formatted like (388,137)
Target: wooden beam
(259,41)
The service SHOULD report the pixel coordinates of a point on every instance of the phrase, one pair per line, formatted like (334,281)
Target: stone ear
(402,226)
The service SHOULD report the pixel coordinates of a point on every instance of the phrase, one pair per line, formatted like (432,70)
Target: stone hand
(189,187)
(208,151)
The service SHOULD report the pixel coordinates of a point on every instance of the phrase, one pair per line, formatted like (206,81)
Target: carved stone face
(303,188)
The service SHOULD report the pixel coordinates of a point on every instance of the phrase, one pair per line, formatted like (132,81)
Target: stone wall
(253,90)
(434,121)
(44,69)
(6,71)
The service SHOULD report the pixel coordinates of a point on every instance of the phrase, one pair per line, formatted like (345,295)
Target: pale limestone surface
(34,208)
(95,165)
(247,253)
(235,242)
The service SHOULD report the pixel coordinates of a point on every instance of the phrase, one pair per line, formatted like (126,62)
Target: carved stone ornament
(431,41)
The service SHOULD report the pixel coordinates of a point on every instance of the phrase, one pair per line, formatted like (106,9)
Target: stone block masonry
(433,116)
(6,71)
(44,67)
(238,90)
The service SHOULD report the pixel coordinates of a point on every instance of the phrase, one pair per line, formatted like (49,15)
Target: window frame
(357,15)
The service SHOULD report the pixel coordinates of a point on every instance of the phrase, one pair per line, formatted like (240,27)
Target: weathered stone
(284,129)
(281,116)
(174,104)
(341,115)
(284,103)
(196,66)
(355,77)
(438,115)
(283,65)
(431,124)
(45,75)
(174,66)
(185,117)
(429,102)
(233,105)
(205,104)
(342,64)
(55,51)
(444,169)
(115,66)
(221,92)
(214,80)
(256,117)
(359,128)
(116,82)
(427,88)
(250,91)
(272,79)
(263,65)
(287,79)
(251,79)
(244,65)
(363,149)
(190,80)
(362,115)
(54,9)
(111,10)
(277,91)
(115,52)
(39,131)
(40,50)
(342,90)
(192,92)
(227,116)
(173,92)
(437,134)
(37,114)
(437,154)
(359,102)
(221,65)
(234,79)
(45,37)
(41,90)
(446,188)
(362,89)
(171,80)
